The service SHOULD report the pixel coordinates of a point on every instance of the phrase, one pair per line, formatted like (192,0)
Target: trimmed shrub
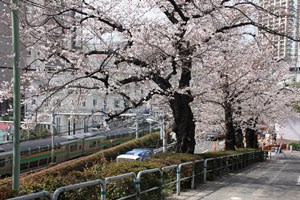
(296,146)
(61,174)
(98,166)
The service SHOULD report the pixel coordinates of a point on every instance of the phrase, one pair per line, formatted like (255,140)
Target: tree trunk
(229,128)
(184,123)
(239,137)
(251,138)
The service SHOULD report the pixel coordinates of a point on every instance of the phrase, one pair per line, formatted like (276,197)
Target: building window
(33,102)
(83,104)
(58,125)
(94,102)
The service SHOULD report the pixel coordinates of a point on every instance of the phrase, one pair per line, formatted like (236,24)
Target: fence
(191,172)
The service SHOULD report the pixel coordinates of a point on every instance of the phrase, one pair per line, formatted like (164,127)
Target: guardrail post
(214,171)
(227,164)
(193,177)
(198,175)
(161,183)
(138,182)
(178,180)
(103,191)
(114,178)
(221,167)
(138,188)
(240,161)
(248,159)
(204,170)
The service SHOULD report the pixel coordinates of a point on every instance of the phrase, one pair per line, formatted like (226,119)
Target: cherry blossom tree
(161,46)
(246,84)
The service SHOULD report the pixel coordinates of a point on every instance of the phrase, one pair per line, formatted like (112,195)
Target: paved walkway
(271,180)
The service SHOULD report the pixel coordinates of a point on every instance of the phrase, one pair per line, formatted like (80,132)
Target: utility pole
(16,100)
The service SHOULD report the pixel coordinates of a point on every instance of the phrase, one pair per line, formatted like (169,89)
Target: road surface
(269,180)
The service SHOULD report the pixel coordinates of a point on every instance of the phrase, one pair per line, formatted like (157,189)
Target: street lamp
(162,132)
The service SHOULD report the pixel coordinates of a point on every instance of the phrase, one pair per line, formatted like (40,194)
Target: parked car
(136,154)
(125,157)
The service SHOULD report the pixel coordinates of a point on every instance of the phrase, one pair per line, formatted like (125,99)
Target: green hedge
(64,173)
(296,146)
(97,166)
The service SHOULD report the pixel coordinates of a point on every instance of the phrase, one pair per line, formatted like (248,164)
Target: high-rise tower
(283,18)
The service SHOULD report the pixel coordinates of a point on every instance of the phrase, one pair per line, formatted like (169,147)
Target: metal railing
(194,171)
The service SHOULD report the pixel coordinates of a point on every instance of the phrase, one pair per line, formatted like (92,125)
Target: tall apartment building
(284,47)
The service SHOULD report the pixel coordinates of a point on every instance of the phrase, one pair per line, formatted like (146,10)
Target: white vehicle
(125,157)
(136,154)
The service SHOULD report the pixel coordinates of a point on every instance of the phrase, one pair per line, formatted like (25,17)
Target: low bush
(61,174)
(296,146)
(98,166)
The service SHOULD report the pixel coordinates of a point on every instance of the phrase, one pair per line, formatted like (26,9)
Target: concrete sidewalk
(270,180)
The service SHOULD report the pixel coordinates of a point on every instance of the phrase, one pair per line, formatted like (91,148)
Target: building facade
(285,19)
(76,113)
